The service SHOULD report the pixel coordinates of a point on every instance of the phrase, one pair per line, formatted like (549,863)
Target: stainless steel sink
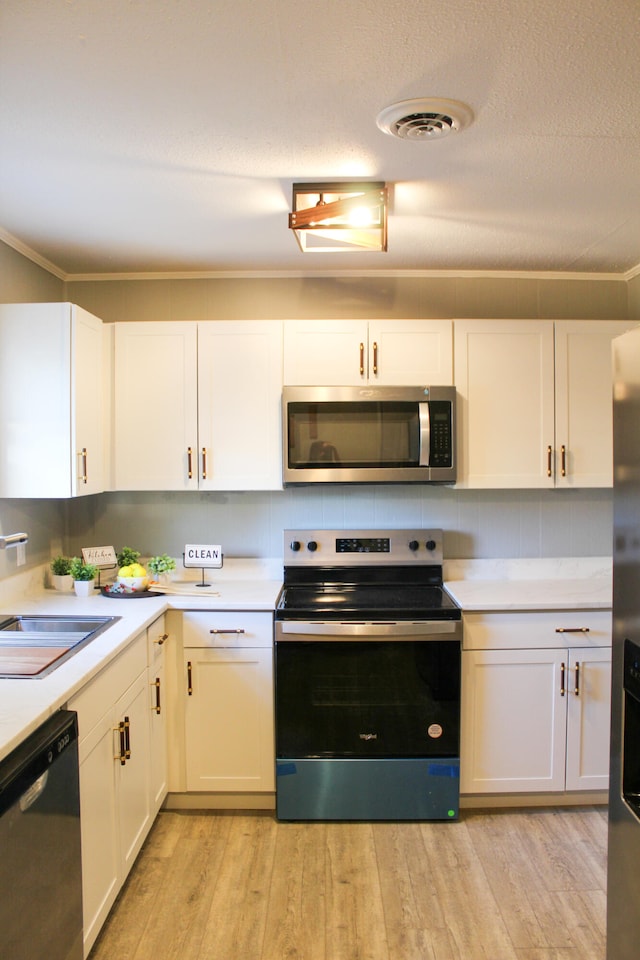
(33,646)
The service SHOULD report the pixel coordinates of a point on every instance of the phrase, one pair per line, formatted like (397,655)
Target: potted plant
(127,556)
(83,576)
(61,573)
(161,566)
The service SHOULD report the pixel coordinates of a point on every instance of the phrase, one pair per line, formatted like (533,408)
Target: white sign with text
(205,555)
(100,556)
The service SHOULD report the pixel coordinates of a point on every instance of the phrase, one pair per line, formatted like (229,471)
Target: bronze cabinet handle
(563,460)
(375,357)
(572,629)
(577,689)
(161,639)
(122,756)
(562,672)
(362,359)
(189,678)
(189,463)
(127,738)
(549,451)
(234,630)
(204,463)
(156,707)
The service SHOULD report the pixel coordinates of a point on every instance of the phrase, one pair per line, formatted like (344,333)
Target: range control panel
(417,547)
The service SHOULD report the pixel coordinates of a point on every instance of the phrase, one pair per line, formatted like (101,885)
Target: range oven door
(367,720)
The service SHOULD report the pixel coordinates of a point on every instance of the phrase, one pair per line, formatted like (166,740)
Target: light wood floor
(497,885)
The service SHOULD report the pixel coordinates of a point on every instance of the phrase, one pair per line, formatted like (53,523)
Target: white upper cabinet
(504,378)
(155,406)
(52,401)
(534,402)
(352,352)
(584,438)
(211,406)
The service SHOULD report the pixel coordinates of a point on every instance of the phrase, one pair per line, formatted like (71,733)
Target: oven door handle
(369,630)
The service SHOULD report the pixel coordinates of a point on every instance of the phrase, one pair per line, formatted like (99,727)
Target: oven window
(367,699)
(353,434)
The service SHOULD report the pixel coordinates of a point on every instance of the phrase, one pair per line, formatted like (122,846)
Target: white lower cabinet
(228,701)
(123,772)
(535,719)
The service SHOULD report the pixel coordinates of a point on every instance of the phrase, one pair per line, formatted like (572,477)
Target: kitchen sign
(205,555)
(100,556)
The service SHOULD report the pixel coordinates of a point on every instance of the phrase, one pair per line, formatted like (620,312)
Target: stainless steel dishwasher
(40,865)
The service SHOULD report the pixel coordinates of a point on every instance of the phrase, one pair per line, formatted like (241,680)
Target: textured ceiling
(164,135)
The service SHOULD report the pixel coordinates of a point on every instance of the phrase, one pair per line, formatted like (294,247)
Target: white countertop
(25,704)
(557,584)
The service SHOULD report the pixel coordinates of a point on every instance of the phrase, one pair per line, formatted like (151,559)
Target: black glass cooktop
(339,601)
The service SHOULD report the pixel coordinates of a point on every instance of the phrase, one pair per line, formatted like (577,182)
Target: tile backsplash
(477,523)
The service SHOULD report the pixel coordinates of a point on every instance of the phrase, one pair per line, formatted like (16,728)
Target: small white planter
(83,588)
(62,582)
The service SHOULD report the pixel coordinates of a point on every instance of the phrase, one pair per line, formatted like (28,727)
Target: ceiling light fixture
(339,217)
(424,119)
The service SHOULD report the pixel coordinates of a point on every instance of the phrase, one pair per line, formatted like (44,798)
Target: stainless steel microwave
(369,435)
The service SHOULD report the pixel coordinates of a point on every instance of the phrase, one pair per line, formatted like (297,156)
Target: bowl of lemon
(134,577)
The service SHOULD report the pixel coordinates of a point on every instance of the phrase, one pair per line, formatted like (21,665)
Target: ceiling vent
(424,119)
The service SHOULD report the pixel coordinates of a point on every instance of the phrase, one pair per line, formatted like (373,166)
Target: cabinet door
(588,719)
(88,469)
(584,441)
(99,826)
(325,352)
(411,352)
(513,721)
(158,730)
(51,397)
(155,406)
(239,406)
(158,772)
(505,379)
(229,719)
(134,811)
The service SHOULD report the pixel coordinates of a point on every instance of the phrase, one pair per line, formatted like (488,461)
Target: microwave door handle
(425,434)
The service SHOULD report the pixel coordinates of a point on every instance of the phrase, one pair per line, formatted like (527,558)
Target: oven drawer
(227,628)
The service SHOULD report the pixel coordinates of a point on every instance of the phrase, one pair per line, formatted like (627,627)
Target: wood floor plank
(237,917)
(296,915)
(355,927)
(470,909)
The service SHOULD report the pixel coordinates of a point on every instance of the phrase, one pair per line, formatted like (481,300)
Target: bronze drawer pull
(572,629)
(234,630)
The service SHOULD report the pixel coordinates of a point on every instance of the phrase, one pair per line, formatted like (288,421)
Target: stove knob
(413,545)
(295,545)
(430,544)
(312,545)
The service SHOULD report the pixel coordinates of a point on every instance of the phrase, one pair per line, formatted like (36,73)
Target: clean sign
(202,555)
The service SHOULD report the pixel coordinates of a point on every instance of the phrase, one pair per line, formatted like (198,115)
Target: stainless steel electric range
(367,678)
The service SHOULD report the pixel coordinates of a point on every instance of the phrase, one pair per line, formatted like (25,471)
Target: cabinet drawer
(100,694)
(227,629)
(546,629)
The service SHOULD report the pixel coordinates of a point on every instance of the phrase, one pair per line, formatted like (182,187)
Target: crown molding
(52,268)
(30,254)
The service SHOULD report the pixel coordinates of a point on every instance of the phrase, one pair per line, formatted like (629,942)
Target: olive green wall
(23,281)
(346,297)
